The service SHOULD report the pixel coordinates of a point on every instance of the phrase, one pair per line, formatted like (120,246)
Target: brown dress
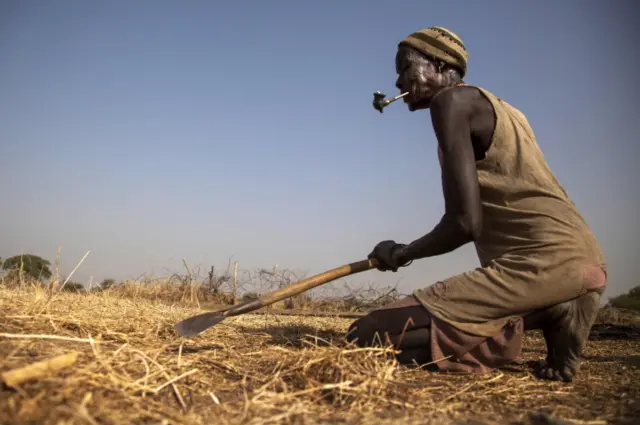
(535,250)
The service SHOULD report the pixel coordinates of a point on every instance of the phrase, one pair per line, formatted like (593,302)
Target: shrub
(630,300)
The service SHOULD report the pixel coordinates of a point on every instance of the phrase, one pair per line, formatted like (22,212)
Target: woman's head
(428,61)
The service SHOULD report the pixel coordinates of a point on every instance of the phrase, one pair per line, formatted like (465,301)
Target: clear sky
(149,131)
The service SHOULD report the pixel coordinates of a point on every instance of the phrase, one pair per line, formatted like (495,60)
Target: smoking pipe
(379,101)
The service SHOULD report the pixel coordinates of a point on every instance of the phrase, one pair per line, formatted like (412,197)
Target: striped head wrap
(440,43)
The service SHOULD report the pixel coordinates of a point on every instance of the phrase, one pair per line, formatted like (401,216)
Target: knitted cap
(440,43)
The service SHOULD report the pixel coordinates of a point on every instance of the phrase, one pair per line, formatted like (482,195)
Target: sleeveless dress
(535,250)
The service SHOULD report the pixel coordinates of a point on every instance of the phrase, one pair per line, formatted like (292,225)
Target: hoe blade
(197,324)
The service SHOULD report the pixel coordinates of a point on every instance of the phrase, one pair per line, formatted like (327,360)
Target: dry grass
(170,292)
(259,369)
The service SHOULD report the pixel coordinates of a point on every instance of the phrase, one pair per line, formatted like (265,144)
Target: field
(131,368)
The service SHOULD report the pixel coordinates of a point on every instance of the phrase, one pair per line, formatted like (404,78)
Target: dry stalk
(38,370)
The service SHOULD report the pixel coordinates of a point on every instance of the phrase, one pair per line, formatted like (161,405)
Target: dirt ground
(257,369)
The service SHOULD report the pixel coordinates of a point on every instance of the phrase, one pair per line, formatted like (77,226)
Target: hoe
(195,325)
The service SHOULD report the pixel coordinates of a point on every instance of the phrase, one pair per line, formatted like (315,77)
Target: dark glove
(386,253)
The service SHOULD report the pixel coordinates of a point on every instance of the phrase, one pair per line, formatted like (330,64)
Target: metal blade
(197,324)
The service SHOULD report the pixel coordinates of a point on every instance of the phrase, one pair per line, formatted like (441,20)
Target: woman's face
(417,75)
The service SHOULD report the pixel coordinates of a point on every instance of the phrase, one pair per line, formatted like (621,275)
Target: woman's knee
(394,319)
(418,356)
(363,331)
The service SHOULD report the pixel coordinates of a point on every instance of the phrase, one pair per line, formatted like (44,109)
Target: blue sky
(151,131)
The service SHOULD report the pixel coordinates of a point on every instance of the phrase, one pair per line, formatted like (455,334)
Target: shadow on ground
(296,335)
(195,349)
(633,360)
(608,332)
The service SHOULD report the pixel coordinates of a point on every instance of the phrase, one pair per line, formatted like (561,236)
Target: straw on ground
(259,369)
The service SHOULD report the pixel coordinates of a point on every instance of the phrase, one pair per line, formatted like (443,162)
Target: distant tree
(106,284)
(630,300)
(31,265)
(73,287)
